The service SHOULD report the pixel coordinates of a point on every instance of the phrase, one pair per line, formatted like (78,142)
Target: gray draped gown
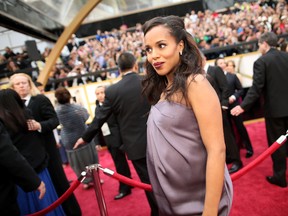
(72,118)
(176,159)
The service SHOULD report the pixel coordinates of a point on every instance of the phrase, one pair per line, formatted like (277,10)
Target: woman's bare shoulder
(196,79)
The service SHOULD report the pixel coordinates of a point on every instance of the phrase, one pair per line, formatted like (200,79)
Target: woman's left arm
(207,109)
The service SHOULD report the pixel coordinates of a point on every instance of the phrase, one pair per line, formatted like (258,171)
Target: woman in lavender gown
(185,149)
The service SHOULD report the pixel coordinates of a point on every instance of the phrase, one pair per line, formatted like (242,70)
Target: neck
(268,48)
(170,78)
(127,72)
(24,96)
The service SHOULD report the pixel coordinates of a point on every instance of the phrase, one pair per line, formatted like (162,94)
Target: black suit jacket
(124,99)
(31,146)
(218,80)
(44,113)
(114,138)
(16,170)
(235,88)
(270,77)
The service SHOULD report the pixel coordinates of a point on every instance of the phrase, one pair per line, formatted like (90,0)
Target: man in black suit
(125,100)
(235,92)
(271,78)
(45,120)
(217,79)
(111,137)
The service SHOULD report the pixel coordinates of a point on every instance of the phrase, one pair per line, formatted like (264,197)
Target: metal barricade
(93,170)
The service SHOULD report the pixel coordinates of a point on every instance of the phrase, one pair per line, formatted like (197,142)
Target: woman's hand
(42,190)
(33,125)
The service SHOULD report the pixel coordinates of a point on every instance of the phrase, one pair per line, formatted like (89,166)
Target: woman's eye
(162,45)
(148,50)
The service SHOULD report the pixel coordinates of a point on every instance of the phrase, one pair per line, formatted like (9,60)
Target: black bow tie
(24,101)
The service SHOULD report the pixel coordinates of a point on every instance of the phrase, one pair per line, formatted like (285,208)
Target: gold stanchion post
(94,172)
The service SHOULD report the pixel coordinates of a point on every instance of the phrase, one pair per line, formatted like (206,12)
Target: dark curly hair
(191,61)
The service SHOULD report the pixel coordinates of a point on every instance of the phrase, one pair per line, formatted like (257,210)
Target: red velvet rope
(234,176)
(282,139)
(132,182)
(61,199)
(148,187)
(259,159)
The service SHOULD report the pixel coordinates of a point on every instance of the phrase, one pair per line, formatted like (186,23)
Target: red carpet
(253,196)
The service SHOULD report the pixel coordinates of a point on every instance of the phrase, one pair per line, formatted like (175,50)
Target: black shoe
(278,182)
(235,167)
(249,154)
(121,195)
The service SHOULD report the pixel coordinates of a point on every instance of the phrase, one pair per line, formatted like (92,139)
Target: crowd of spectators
(242,23)
(96,54)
